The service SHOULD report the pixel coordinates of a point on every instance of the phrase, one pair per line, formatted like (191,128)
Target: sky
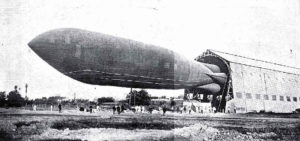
(262,29)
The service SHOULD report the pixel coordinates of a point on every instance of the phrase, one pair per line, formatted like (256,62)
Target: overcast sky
(264,29)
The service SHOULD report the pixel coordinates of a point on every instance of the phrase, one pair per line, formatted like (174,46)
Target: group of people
(34,107)
(118,108)
(164,108)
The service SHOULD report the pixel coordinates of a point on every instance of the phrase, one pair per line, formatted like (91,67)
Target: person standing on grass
(59,108)
(91,109)
(51,108)
(164,110)
(114,109)
(150,109)
(177,109)
(118,109)
(34,107)
(122,108)
(97,108)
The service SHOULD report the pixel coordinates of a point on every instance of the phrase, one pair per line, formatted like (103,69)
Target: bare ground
(18,124)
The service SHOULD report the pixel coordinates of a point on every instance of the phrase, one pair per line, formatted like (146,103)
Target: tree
(42,100)
(14,99)
(54,100)
(139,98)
(105,99)
(2,99)
(82,100)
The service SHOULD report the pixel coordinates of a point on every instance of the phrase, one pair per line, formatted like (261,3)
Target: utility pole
(26,98)
(26,86)
(130,94)
(134,98)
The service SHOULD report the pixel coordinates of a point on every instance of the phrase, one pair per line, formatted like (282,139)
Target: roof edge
(252,59)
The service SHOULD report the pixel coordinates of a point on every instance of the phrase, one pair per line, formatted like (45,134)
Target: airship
(101,59)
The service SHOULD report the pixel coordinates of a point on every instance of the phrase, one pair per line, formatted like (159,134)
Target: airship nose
(55,49)
(39,47)
(47,50)
(32,44)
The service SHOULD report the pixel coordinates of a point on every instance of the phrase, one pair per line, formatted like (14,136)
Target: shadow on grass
(5,136)
(128,124)
(23,123)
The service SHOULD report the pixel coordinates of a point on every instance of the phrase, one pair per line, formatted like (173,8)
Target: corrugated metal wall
(257,89)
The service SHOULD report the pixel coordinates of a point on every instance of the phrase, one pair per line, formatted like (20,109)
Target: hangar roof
(233,58)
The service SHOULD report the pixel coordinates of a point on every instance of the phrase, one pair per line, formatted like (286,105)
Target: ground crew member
(164,110)
(122,108)
(114,109)
(97,108)
(150,109)
(34,107)
(91,109)
(177,110)
(234,109)
(59,108)
(118,109)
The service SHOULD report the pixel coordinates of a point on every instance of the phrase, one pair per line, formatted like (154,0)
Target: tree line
(14,99)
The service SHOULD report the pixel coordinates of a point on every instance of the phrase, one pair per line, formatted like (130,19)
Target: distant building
(108,105)
(160,101)
(166,101)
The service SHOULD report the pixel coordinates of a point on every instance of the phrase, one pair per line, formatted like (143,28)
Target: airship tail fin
(220,78)
(213,87)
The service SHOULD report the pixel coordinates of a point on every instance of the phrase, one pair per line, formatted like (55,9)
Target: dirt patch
(5,135)
(24,123)
(129,124)
(193,132)
(266,133)
(139,126)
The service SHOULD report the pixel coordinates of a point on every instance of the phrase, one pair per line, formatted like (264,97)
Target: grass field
(18,124)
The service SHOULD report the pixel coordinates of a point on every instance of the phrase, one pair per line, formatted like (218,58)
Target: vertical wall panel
(238,87)
(254,80)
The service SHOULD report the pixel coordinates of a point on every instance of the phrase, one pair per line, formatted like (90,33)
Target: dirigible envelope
(101,59)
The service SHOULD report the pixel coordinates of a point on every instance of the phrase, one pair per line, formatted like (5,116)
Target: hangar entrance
(249,85)
(217,100)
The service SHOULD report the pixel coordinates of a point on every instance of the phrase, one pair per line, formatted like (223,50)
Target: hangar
(254,85)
